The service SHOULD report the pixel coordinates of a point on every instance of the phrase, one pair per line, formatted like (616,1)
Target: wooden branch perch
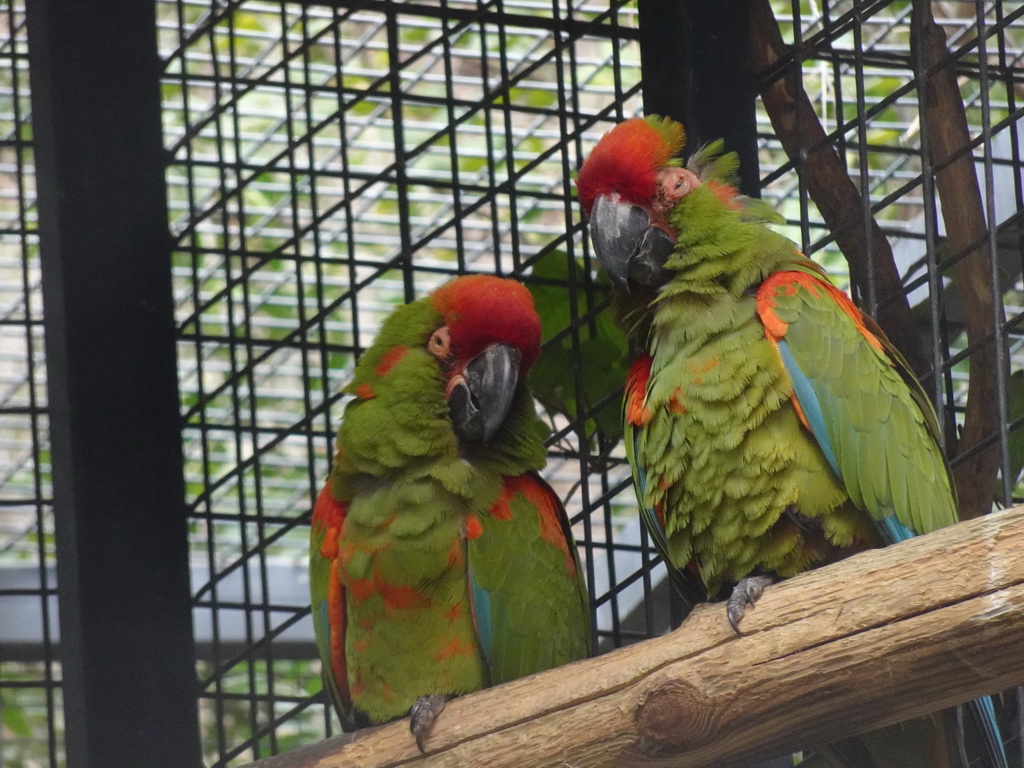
(876,639)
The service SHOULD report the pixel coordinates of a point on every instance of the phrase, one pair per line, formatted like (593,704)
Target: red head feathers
(627,158)
(480,310)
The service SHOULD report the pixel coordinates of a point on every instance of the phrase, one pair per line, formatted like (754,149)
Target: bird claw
(746,592)
(422,715)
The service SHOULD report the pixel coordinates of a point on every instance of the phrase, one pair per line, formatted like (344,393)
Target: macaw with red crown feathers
(770,425)
(440,561)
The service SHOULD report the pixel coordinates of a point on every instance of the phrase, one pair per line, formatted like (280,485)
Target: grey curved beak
(479,403)
(628,246)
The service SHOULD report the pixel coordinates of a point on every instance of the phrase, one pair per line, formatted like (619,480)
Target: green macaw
(440,561)
(770,425)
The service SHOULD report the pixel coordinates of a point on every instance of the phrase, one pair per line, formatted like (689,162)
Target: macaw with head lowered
(770,425)
(440,561)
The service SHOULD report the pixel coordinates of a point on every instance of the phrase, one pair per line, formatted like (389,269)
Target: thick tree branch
(797,125)
(873,640)
(945,125)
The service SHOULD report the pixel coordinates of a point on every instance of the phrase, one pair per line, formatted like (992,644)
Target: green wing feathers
(529,597)
(876,434)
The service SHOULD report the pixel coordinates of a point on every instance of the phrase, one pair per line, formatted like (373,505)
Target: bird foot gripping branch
(422,714)
(747,592)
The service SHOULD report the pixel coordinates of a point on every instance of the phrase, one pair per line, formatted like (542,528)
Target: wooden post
(876,639)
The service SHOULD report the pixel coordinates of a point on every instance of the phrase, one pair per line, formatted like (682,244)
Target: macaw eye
(440,344)
(674,184)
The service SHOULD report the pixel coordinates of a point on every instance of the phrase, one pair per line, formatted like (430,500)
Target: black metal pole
(126,627)
(695,60)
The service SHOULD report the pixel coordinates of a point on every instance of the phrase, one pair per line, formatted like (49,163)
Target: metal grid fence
(30,696)
(327,163)
(862,74)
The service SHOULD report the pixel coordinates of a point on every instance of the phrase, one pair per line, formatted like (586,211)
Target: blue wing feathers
(892,530)
(984,713)
(809,403)
(483,618)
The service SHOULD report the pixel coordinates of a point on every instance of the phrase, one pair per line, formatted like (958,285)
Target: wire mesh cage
(30,696)
(327,163)
(864,77)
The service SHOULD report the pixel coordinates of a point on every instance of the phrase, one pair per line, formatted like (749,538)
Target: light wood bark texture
(873,640)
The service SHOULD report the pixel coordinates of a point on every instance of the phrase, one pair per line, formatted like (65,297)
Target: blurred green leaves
(602,360)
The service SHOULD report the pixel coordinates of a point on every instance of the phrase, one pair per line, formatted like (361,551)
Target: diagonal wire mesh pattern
(863,77)
(30,695)
(949,209)
(328,165)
